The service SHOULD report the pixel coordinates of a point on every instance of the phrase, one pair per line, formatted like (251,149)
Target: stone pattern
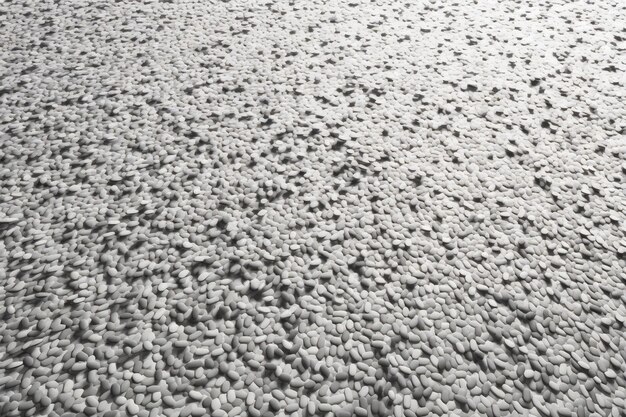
(312,208)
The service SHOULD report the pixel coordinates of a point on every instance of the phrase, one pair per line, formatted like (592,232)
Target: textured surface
(316,208)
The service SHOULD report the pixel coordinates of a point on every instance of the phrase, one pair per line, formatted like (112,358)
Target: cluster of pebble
(313,208)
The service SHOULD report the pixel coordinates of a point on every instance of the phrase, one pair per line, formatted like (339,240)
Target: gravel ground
(314,208)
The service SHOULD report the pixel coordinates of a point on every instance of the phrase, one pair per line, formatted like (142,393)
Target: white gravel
(312,208)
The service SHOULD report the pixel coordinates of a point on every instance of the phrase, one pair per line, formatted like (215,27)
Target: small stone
(132,408)
(216,404)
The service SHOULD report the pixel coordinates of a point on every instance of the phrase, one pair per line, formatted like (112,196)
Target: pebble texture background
(315,208)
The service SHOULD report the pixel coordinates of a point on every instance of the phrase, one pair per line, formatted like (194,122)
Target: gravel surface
(312,208)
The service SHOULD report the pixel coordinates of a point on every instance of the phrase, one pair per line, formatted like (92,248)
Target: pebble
(216,404)
(132,408)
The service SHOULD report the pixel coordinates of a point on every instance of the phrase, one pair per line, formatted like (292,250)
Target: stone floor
(312,208)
